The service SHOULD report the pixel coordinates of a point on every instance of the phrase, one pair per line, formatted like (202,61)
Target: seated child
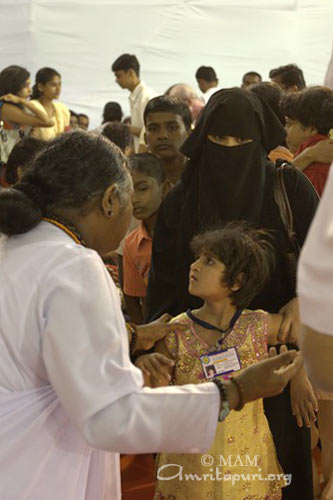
(150,187)
(168,123)
(223,337)
(309,120)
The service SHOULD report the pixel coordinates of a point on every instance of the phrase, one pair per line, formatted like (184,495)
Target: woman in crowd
(15,121)
(65,374)
(228,178)
(47,88)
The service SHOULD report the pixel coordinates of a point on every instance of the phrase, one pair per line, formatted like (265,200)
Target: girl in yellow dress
(223,337)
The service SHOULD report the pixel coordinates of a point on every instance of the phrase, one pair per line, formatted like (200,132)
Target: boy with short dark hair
(126,69)
(150,187)
(168,123)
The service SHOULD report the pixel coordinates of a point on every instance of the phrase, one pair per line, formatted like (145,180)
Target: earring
(110,213)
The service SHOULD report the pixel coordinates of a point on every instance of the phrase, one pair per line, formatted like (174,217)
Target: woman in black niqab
(222,183)
(228,181)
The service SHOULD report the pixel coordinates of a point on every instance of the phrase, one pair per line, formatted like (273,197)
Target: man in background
(126,69)
(207,81)
(289,77)
(250,78)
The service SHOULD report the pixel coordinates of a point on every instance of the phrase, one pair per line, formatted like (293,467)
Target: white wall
(171,38)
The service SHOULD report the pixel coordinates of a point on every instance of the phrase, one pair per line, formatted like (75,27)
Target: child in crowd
(309,120)
(224,337)
(21,158)
(83,121)
(150,187)
(119,134)
(168,123)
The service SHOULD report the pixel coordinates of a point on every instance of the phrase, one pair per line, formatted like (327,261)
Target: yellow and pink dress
(242,462)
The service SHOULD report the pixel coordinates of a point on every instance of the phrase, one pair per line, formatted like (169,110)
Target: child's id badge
(220,363)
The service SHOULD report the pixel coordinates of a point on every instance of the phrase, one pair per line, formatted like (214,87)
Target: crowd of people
(148,266)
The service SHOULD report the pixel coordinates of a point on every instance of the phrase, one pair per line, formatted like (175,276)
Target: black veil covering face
(227,183)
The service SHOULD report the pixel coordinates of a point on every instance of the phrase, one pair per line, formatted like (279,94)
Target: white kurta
(66,378)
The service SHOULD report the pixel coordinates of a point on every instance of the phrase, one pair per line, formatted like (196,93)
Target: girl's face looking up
(206,278)
(228,140)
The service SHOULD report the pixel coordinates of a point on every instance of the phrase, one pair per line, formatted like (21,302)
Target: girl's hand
(290,325)
(303,401)
(156,369)
(15,99)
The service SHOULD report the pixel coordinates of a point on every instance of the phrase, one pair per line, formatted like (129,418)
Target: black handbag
(282,201)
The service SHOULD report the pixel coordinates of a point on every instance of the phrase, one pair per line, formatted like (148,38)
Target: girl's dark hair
(112,112)
(271,93)
(43,76)
(22,155)
(247,254)
(311,107)
(13,79)
(72,169)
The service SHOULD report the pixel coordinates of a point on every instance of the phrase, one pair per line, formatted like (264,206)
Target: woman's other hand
(303,400)
(270,376)
(290,324)
(156,369)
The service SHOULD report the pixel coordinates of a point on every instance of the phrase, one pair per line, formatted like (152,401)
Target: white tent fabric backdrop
(171,38)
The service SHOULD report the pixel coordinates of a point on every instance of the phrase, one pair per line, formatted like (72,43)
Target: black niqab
(227,183)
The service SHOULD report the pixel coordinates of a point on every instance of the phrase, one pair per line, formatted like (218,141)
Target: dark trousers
(293,446)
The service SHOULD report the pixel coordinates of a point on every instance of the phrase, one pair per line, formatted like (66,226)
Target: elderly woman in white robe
(68,389)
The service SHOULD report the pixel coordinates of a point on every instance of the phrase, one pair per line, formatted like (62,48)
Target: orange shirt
(136,262)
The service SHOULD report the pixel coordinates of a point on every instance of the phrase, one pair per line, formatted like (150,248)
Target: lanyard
(209,326)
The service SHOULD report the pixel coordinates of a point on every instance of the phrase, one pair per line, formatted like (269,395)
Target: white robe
(67,386)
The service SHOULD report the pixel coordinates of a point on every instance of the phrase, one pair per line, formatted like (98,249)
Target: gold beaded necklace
(67,227)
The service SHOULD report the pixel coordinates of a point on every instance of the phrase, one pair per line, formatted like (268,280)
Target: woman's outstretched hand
(149,334)
(270,376)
